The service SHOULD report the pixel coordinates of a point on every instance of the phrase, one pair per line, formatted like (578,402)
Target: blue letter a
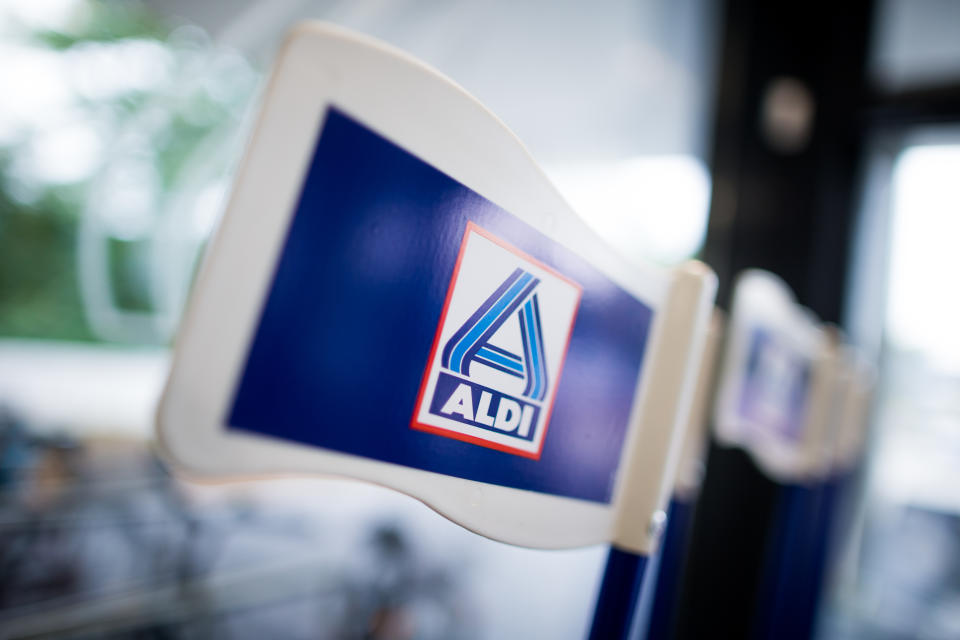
(471,341)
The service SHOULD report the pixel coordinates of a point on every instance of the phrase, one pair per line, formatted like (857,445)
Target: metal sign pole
(619,593)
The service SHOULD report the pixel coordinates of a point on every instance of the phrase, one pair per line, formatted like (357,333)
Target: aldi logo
(496,359)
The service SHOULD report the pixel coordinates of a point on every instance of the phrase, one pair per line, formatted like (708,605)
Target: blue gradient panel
(787,387)
(347,327)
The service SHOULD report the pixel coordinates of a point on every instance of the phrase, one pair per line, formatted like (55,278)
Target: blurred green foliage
(175,122)
(39,294)
(106,22)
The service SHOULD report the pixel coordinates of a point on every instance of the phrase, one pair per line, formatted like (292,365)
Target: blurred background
(820,142)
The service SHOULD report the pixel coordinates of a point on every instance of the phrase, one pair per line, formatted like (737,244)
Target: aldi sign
(397,294)
(438,331)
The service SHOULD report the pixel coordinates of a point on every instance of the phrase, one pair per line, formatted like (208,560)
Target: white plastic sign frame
(691,467)
(776,388)
(853,411)
(427,115)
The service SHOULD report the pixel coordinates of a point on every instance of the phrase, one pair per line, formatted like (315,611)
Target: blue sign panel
(414,322)
(775,386)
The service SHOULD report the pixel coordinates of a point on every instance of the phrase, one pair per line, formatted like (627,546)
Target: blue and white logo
(499,349)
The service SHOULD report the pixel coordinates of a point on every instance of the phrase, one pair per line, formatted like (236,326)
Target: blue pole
(673,550)
(786,555)
(809,583)
(619,590)
(798,547)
